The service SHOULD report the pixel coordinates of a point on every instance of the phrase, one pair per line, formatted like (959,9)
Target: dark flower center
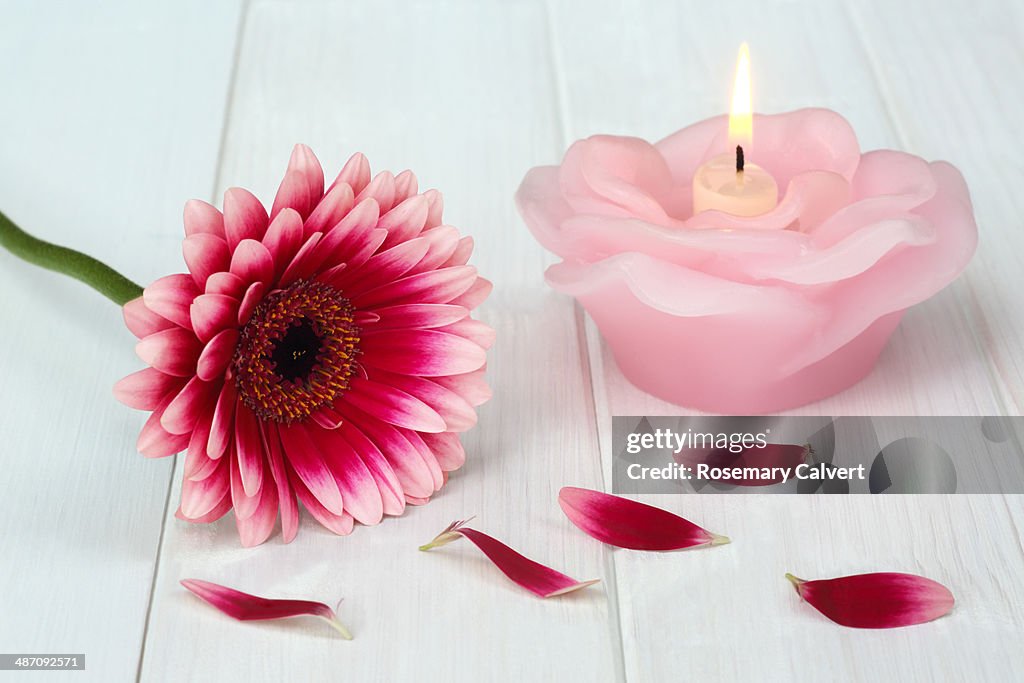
(297,353)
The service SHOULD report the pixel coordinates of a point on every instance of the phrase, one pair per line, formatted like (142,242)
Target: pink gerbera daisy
(323,353)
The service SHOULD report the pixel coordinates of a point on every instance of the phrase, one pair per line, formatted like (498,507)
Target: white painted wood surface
(120,116)
(109,118)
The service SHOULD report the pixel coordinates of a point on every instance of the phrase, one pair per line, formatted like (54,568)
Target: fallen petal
(245,607)
(883,600)
(533,576)
(626,523)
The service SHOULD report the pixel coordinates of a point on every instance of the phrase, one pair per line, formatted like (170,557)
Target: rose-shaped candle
(749,314)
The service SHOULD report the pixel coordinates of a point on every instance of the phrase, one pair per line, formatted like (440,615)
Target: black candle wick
(739,159)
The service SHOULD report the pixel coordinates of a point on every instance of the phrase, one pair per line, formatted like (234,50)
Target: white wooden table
(112,116)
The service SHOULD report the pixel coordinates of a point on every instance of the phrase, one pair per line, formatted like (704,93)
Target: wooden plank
(111,116)
(461,94)
(726,613)
(949,79)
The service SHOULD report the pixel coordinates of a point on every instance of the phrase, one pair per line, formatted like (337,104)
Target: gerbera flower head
(323,353)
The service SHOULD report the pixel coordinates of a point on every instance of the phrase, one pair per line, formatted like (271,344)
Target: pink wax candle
(732,313)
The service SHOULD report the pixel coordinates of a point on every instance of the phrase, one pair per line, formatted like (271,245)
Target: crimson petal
(533,576)
(881,600)
(246,607)
(628,524)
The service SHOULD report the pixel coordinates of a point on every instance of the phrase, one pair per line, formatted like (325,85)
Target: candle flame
(741,123)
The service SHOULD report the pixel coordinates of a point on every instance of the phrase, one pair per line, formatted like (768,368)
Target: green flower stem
(97,275)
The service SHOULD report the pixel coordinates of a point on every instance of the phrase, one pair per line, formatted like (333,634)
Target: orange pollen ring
(297,353)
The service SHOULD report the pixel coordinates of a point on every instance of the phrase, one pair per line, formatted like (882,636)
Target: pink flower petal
(245,504)
(457,414)
(141,321)
(303,184)
(462,253)
(223,421)
(246,607)
(883,600)
(628,524)
(216,355)
(355,173)
(417,316)
(394,406)
(471,386)
(285,495)
(349,235)
(331,210)
(225,283)
(434,287)
(257,527)
(212,314)
(201,496)
(447,448)
(480,333)
(156,442)
(244,217)
(388,265)
(253,296)
(356,483)
(420,448)
(422,352)
(146,389)
(443,241)
(171,296)
(198,465)
(218,511)
(355,252)
(405,221)
(406,185)
(201,217)
(435,208)
(391,492)
(475,295)
(188,407)
(533,576)
(412,472)
(341,525)
(283,238)
(304,262)
(382,189)
(174,351)
(250,449)
(252,262)
(205,254)
(308,462)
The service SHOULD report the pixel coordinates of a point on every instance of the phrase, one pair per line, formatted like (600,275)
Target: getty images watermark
(741,458)
(769,454)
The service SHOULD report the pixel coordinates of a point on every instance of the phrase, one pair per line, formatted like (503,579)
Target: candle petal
(882,600)
(626,523)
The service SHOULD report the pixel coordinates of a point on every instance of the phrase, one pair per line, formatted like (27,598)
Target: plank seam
(583,347)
